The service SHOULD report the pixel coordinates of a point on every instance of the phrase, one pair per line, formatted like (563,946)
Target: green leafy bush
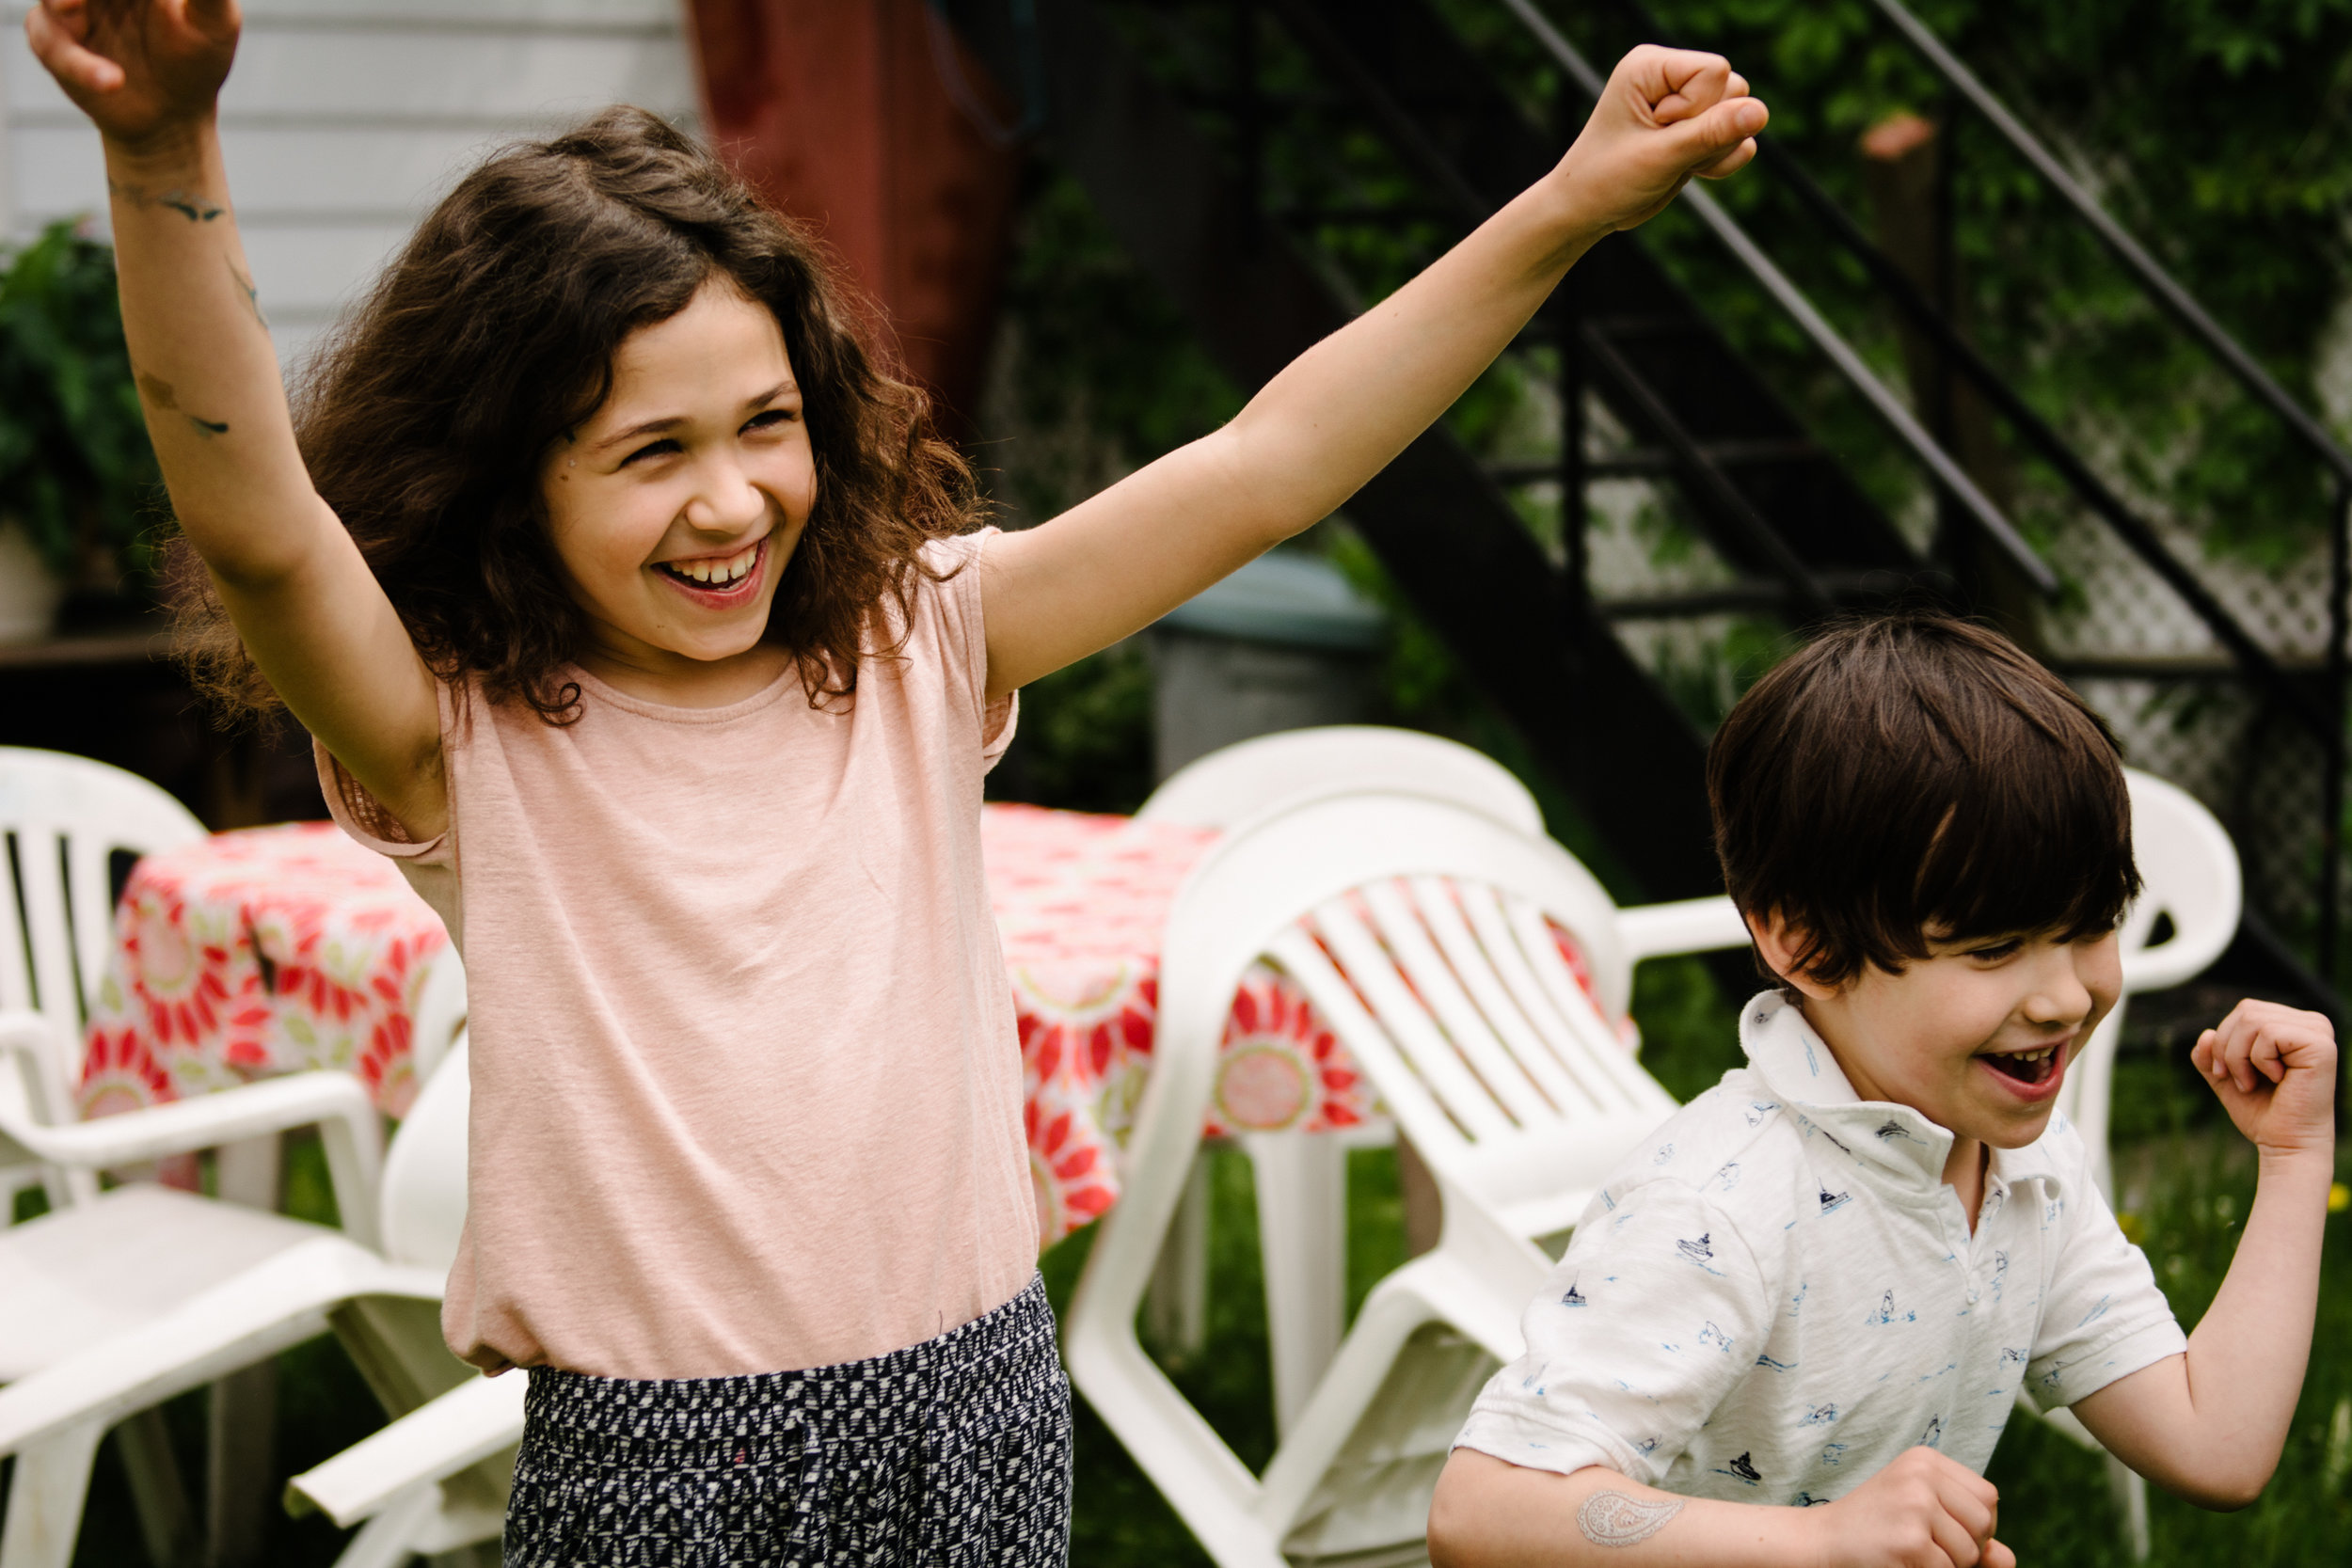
(75,467)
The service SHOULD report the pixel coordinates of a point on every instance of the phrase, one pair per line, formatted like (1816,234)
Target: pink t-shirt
(746,1081)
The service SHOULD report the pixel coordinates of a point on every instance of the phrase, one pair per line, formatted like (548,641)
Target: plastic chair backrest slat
(1307,865)
(1560,1037)
(89,890)
(1401,913)
(1419,1041)
(16,945)
(1636,1089)
(67,816)
(1444,906)
(40,865)
(1407,1096)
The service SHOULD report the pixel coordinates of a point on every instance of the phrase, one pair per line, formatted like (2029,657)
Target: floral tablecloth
(276,949)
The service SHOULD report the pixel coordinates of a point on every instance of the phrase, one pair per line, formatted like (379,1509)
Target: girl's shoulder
(940,607)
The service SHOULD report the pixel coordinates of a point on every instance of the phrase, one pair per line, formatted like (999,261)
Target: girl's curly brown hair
(424,419)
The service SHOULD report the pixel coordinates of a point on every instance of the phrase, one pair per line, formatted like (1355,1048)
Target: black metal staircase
(1237,148)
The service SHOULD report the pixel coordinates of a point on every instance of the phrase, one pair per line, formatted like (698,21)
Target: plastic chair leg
(384,1541)
(45,1499)
(1176,1302)
(241,1452)
(166,1526)
(1302,1231)
(2130,1491)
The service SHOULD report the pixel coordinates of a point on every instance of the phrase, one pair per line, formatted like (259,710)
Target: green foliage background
(2216,131)
(75,467)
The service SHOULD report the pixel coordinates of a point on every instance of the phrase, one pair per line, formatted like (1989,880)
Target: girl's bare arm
(303,599)
(1340,411)
(2209,1426)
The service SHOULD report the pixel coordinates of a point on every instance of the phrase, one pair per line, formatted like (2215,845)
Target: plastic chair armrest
(2159,968)
(335,1102)
(431,1443)
(1686,925)
(275,1303)
(26,1054)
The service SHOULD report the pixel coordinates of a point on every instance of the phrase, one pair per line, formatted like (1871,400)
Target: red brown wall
(846,113)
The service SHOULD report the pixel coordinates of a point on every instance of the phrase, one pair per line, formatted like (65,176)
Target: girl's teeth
(721,572)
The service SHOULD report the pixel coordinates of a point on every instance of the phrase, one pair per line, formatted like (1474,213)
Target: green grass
(2186,1181)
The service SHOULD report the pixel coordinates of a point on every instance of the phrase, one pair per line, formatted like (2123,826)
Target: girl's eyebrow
(670,421)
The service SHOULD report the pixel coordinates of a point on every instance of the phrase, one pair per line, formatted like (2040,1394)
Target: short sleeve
(430,864)
(1646,1324)
(964,631)
(2103,1317)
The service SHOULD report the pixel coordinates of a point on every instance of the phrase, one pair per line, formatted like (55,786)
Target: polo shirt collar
(1895,1142)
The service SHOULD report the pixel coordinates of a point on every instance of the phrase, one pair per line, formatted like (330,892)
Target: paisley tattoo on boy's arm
(1619,1519)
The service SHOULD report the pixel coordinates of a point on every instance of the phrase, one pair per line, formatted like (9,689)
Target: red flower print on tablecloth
(121,1074)
(1069,1172)
(1077,1021)
(387,1067)
(1281,1068)
(269,950)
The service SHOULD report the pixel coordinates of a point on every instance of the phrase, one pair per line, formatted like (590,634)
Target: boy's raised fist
(1923,1510)
(1666,115)
(2274,1068)
(140,69)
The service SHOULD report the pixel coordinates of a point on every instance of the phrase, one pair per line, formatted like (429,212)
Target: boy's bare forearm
(2209,1426)
(206,371)
(1488,1514)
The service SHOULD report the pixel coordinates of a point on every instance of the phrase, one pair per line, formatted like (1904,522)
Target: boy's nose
(2063,993)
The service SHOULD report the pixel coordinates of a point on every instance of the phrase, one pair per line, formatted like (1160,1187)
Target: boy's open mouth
(2029,1068)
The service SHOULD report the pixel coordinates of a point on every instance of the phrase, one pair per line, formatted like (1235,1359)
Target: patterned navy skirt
(953,1453)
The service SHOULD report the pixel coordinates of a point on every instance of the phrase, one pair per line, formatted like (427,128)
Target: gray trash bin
(1282,644)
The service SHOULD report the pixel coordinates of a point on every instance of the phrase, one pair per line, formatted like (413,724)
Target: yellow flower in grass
(2339,1197)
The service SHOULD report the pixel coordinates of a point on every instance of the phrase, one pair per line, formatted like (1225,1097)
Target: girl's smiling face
(675,507)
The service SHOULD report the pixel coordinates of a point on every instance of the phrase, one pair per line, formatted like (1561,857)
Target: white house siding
(344,120)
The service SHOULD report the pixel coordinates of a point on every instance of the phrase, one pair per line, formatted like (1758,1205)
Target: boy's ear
(1778,941)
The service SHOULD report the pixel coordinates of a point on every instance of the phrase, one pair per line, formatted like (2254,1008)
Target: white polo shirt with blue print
(1777,1293)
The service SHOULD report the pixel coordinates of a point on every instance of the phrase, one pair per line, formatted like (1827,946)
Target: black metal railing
(2319,713)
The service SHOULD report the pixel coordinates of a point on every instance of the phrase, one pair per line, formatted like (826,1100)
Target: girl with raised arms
(640,616)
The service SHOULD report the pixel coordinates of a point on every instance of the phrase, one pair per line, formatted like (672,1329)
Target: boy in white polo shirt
(1826,1280)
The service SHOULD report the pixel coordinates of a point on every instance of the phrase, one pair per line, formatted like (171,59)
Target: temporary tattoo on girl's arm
(252,295)
(187,203)
(159,392)
(1618,1519)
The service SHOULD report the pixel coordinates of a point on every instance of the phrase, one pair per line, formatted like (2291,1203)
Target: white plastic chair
(114,1304)
(2191,879)
(64,818)
(1236,782)
(1301,1178)
(1419,930)
(433,1481)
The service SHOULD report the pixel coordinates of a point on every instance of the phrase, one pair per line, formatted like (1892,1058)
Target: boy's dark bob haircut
(1914,777)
